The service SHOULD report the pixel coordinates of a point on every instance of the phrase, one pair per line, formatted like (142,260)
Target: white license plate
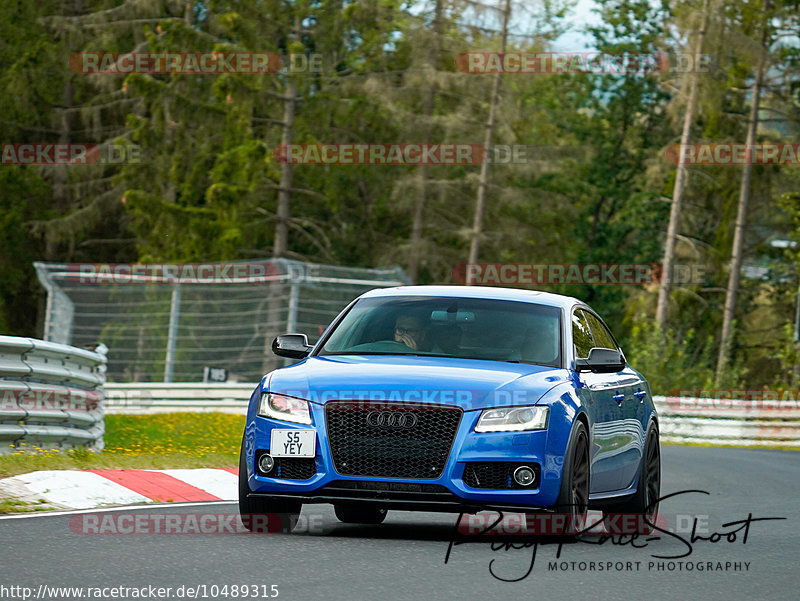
(293,443)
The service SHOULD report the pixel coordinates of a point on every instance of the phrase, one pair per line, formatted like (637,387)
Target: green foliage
(789,356)
(207,188)
(668,360)
(24,196)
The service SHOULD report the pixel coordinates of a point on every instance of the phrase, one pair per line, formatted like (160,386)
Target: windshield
(466,328)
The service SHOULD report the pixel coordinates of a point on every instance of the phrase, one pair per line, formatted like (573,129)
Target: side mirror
(601,360)
(293,346)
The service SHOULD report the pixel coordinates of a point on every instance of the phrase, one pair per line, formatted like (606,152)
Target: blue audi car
(451,398)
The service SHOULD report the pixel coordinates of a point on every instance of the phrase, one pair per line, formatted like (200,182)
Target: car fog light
(266,463)
(524,476)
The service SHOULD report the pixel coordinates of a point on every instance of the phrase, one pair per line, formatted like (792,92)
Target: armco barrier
(157,397)
(729,422)
(51,395)
(681,420)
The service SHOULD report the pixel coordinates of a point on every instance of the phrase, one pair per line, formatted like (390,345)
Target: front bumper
(447,492)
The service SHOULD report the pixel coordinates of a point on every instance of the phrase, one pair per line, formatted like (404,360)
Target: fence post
(172,334)
(60,310)
(294,299)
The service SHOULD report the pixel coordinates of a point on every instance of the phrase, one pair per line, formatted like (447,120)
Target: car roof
(509,294)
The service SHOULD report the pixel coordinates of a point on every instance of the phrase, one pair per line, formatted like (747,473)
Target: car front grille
(294,468)
(291,468)
(496,474)
(388,440)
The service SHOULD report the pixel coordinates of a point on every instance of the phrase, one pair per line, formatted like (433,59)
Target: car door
(624,439)
(597,394)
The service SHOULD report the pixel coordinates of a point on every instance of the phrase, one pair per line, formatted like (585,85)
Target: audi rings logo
(392,419)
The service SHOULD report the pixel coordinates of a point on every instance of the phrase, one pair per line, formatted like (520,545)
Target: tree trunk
(415,251)
(276,295)
(483,184)
(681,176)
(281,243)
(741,214)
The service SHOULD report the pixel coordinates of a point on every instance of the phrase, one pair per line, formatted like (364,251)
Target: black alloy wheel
(573,501)
(638,513)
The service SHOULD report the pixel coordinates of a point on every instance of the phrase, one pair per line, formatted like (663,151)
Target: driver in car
(410,330)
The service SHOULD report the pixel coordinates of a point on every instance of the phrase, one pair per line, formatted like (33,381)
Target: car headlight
(286,408)
(513,419)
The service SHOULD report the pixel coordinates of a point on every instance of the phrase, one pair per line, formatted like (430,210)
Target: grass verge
(17,506)
(161,441)
(732,445)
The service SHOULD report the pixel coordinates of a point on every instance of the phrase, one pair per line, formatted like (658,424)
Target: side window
(602,337)
(581,337)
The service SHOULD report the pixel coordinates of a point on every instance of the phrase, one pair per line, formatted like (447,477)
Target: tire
(264,514)
(360,514)
(573,499)
(644,502)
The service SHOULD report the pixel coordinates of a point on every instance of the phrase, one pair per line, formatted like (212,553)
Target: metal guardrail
(156,397)
(682,420)
(51,395)
(729,422)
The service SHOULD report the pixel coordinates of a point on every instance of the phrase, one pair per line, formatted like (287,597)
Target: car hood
(467,383)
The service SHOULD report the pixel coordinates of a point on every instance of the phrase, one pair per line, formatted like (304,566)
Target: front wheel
(264,514)
(573,500)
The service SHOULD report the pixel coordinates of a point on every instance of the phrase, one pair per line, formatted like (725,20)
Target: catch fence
(196,322)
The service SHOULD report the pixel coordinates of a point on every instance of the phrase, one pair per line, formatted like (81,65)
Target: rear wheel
(360,514)
(573,500)
(638,513)
(264,514)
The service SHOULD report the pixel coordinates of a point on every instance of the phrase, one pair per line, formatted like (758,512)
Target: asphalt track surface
(404,558)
